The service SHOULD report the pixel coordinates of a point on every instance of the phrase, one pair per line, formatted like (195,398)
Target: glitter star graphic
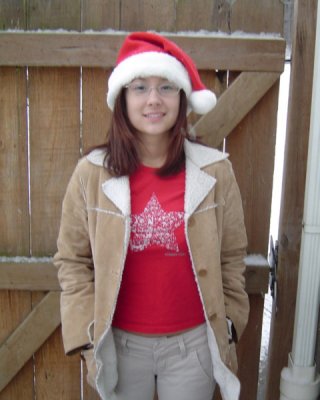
(155,226)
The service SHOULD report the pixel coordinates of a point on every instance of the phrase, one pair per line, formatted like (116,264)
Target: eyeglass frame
(148,90)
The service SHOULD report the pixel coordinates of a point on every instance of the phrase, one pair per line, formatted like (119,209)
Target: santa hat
(146,54)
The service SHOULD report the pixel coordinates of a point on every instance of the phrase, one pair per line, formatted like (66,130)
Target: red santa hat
(146,54)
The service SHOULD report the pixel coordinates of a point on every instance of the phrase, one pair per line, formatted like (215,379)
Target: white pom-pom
(202,101)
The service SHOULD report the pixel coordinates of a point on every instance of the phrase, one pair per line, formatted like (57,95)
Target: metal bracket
(273,262)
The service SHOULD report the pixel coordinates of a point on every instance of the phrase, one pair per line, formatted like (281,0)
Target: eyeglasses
(141,89)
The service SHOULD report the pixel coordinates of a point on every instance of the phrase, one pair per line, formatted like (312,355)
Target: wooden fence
(52,107)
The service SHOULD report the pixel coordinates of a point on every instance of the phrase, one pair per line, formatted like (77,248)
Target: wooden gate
(52,107)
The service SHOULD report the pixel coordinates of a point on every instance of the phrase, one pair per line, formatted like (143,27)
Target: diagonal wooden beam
(28,337)
(233,105)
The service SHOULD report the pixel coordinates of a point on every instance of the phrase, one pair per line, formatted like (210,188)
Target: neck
(153,150)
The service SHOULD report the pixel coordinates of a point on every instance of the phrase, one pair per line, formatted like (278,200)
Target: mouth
(154,115)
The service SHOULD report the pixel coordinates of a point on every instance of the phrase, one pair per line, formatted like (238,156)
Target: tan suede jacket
(92,246)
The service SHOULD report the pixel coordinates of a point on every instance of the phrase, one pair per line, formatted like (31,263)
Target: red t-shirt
(158,293)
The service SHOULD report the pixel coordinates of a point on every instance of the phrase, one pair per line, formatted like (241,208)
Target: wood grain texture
(26,339)
(96,115)
(54,149)
(291,213)
(100,14)
(13,14)
(57,376)
(43,276)
(100,50)
(14,214)
(54,14)
(14,308)
(252,147)
(148,15)
(56,141)
(28,276)
(233,105)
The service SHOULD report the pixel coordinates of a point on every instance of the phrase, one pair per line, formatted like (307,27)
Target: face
(151,111)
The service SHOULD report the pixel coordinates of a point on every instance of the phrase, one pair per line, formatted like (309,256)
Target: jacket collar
(198,182)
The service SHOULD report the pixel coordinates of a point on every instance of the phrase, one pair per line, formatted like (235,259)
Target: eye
(168,88)
(138,87)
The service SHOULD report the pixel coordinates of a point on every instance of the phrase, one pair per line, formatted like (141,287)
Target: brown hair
(122,141)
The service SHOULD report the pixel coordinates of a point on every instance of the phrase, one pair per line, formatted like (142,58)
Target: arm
(233,251)
(75,268)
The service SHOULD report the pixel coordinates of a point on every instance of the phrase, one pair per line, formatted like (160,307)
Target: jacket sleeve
(75,267)
(233,252)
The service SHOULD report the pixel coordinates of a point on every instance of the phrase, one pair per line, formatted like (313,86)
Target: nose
(154,96)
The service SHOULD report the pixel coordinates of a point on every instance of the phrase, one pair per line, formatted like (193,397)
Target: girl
(152,240)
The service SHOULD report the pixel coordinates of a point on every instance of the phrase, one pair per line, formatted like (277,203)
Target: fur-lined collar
(198,154)
(198,182)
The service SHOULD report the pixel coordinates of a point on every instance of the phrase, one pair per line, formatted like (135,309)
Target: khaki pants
(178,367)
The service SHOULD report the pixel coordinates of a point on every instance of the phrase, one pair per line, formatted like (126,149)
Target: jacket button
(202,272)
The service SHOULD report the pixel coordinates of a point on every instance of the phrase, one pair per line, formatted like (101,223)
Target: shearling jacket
(92,247)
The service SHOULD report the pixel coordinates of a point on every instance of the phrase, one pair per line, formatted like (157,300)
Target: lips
(154,115)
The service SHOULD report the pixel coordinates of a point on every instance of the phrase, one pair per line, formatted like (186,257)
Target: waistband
(198,333)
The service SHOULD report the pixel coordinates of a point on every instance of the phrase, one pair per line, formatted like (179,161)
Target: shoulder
(203,156)
(212,161)
(91,165)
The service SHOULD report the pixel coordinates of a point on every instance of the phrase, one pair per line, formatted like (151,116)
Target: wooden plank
(28,337)
(248,351)
(233,105)
(14,232)
(29,276)
(14,308)
(14,214)
(54,14)
(221,15)
(54,149)
(256,53)
(194,15)
(291,214)
(13,14)
(250,344)
(98,15)
(43,275)
(96,115)
(146,15)
(252,147)
(213,82)
(101,14)
(250,16)
(56,375)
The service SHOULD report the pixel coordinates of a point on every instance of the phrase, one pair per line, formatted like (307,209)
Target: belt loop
(182,346)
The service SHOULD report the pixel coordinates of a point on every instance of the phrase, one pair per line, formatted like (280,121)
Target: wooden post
(293,191)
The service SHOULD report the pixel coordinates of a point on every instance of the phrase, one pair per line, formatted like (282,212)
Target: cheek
(175,110)
(131,109)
